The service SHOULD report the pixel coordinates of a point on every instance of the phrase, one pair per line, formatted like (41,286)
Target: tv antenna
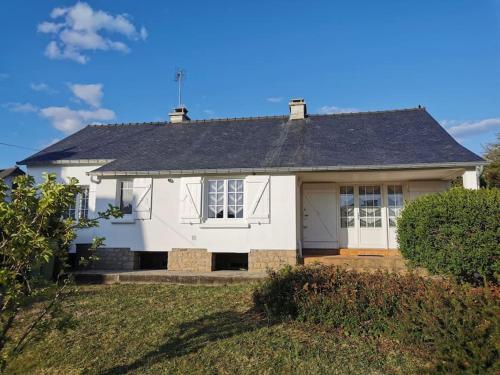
(180,76)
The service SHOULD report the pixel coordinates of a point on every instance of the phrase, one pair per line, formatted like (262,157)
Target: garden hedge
(455,233)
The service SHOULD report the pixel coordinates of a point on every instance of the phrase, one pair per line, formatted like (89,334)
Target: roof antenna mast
(180,76)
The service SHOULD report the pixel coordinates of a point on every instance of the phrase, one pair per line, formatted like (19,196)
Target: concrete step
(164,276)
(360,263)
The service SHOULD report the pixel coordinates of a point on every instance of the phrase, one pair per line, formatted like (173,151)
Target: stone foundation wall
(262,260)
(195,260)
(116,259)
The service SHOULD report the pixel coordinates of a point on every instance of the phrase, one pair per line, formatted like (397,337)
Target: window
(126,196)
(80,208)
(370,202)
(225,199)
(394,203)
(346,206)
(83,207)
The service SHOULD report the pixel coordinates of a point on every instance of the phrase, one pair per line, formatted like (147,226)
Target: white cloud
(20,107)
(464,128)
(41,87)
(90,94)
(331,109)
(82,28)
(52,51)
(274,99)
(68,120)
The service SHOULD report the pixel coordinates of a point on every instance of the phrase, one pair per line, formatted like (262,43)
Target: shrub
(456,325)
(355,302)
(455,233)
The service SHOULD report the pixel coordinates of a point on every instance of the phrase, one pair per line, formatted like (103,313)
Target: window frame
(225,204)
(126,218)
(398,208)
(75,210)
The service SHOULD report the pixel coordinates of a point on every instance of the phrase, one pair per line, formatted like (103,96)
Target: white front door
(319,216)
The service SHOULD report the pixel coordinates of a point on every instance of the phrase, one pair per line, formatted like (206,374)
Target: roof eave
(66,162)
(289,169)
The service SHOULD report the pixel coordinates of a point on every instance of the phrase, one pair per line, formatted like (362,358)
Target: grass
(176,329)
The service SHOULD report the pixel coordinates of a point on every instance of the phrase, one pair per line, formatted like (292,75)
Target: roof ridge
(227,119)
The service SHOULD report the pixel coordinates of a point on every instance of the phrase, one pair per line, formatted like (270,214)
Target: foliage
(456,233)
(197,329)
(456,324)
(459,325)
(354,302)
(491,172)
(32,232)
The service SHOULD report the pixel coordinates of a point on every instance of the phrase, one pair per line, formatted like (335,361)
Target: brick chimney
(178,115)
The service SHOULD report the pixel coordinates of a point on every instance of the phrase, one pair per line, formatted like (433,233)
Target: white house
(7,175)
(254,192)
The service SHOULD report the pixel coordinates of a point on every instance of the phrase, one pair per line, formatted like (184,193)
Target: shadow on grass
(193,336)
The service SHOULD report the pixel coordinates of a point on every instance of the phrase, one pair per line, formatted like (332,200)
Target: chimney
(298,109)
(179,114)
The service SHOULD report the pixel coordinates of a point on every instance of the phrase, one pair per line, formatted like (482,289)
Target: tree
(33,231)
(491,173)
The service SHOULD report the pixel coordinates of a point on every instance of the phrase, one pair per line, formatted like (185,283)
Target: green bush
(454,233)
(456,325)
(354,302)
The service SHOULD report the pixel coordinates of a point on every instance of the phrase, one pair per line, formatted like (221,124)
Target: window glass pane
(84,203)
(370,202)
(235,199)
(394,203)
(126,196)
(346,206)
(225,204)
(216,198)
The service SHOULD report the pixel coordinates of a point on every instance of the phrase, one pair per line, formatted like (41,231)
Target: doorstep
(165,276)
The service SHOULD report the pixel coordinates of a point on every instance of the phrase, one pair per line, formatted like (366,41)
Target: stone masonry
(194,260)
(116,259)
(262,260)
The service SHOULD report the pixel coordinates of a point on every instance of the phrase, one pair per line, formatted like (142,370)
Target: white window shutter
(142,198)
(190,204)
(257,198)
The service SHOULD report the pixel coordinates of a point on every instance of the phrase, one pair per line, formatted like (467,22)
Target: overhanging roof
(408,138)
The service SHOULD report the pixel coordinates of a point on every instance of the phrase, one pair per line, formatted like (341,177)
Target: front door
(319,218)
(362,218)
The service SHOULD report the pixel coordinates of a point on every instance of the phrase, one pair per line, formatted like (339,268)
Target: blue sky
(64,64)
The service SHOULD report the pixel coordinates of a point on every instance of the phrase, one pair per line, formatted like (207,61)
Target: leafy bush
(456,325)
(355,302)
(455,233)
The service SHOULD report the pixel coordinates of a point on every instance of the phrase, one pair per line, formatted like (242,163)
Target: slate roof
(338,141)
(13,171)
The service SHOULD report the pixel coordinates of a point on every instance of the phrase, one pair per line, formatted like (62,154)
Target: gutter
(181,172)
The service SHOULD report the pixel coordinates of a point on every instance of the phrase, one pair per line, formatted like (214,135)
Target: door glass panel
(346,206)
(370,203)
(394,203)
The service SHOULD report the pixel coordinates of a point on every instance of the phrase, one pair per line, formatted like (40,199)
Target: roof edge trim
(66,162)
(288,169)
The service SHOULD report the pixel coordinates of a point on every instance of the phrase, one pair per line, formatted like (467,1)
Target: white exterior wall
(165,230)
(470,179)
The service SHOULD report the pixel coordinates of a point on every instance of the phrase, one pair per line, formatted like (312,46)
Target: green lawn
(157,329)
